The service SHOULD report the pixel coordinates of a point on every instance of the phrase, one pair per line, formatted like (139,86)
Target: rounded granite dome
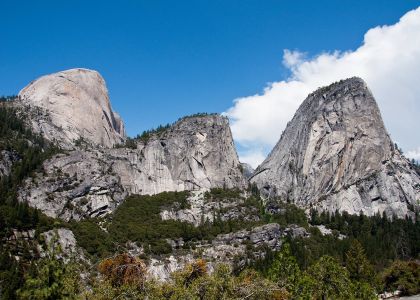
(71,105)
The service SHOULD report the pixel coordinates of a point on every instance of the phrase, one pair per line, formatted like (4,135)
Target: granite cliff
(195,153)
(71,106)
(335,154)
(97,169)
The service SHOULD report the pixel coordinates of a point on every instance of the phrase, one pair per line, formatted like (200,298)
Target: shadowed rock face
(336,154)
(195,153)
(7,159)
(70,105)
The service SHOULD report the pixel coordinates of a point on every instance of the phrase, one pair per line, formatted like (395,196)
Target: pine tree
(284,269)
(357,263)
(329,280)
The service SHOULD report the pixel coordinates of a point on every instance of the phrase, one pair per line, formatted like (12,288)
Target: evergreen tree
(357,264)
(284,269)
(403,276)
(328,280)
(50,279)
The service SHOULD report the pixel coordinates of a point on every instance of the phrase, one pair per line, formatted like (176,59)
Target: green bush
(403,276)
(92,238)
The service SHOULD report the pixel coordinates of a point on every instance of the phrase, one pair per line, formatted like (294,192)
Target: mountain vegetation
(361,257)
(125,276)
(30,150)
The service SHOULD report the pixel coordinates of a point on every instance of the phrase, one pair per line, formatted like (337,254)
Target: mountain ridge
(194,153)
(335,154)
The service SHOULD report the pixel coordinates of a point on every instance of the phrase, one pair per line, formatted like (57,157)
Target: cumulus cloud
(253,157)
(388,60)
(414,154)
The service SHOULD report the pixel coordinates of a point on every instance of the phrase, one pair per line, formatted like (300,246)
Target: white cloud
(415,154)
(253,157)
(388,60)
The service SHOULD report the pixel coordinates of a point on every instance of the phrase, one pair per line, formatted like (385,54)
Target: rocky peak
(71,106)
(336,154)
(195,153)
(199,122)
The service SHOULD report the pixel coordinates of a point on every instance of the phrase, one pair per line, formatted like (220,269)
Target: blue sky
(165,59)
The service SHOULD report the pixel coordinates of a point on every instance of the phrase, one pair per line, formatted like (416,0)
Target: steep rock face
(76,185)
(70,105)
(195,153)
(336,154)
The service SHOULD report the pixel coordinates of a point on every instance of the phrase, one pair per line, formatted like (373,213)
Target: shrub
(403,276)
(123,269)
